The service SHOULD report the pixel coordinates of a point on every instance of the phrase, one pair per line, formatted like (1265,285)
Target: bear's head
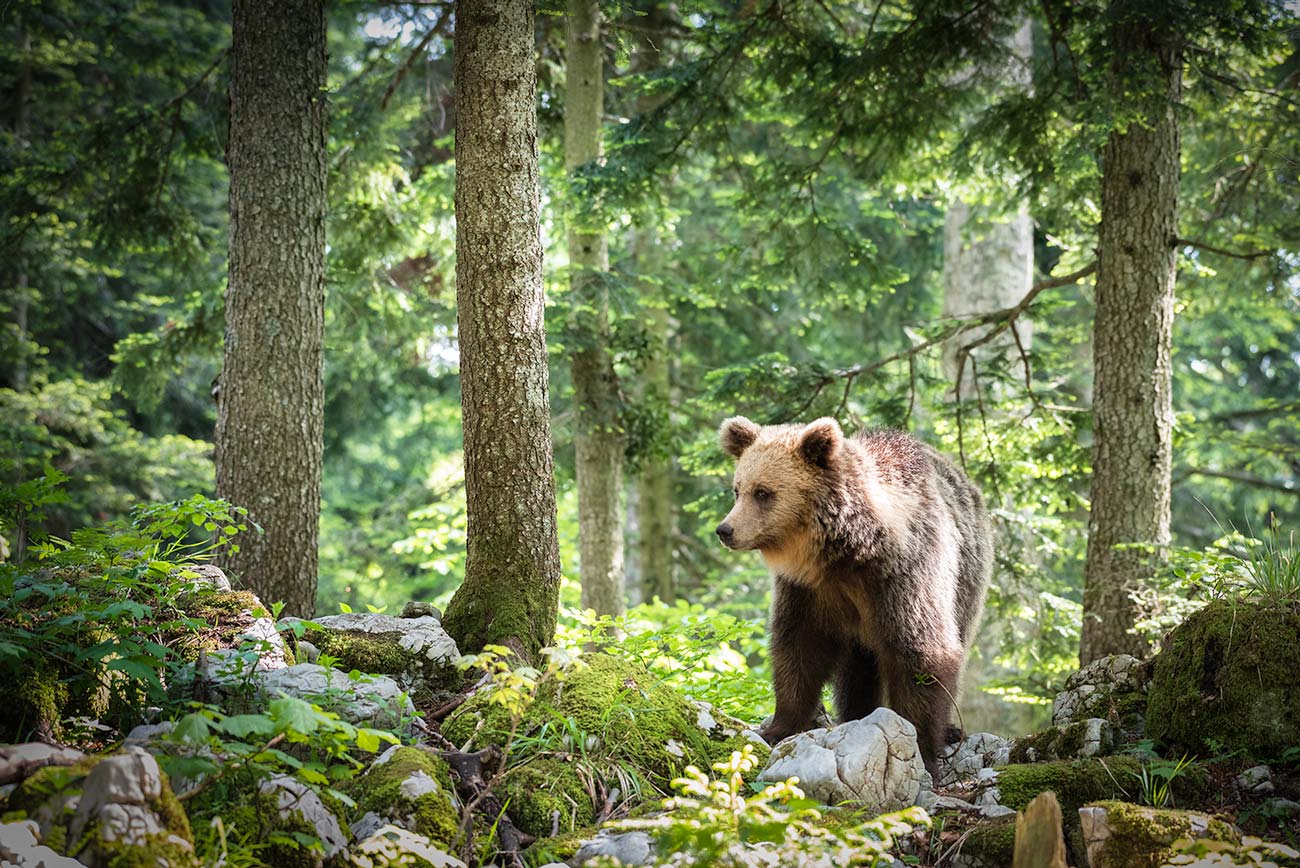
(779,471)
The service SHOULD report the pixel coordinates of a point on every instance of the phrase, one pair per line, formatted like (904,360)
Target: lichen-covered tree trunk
(512,573)
(598,437)
(656,514)
(271,399)
(1132,408)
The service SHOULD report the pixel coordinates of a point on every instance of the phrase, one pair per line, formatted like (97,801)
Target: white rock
(1087,692)
(1256,779)
(366,825)
(389,846)
(986,775)
(18,761)
(203,577)
(116,803)
(629,848)
(20,847)
(994,811)
(418,784)
(296,800)
(963,759)
(873,761)
(375,700)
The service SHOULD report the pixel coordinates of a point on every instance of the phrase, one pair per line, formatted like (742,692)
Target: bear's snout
(726,534)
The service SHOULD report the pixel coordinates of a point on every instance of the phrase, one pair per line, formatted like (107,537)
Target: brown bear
(880,550)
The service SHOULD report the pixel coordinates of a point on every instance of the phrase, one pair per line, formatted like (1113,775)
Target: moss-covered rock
(618,710)
(114,811)
(1227,674)
(990,843)
(412,788)
(1122,835)
(416,652)
(1084,738)
(548,796)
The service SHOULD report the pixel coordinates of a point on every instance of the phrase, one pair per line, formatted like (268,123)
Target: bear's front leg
(802,660)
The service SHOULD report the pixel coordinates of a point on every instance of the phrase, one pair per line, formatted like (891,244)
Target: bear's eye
(762,494)
(735,492)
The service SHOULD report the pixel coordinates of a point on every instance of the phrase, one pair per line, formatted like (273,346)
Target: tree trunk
(655,486)
(271,404)
(988,258)
(1132,410)
(22,134)
(598,439)
(510,594)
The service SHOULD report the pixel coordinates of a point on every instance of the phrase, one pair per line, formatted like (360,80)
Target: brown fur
(880,550)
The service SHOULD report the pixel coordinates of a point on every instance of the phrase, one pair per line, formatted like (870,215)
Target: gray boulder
(414,651)
(19,761)
(391,847)
(874,762)
(373,700)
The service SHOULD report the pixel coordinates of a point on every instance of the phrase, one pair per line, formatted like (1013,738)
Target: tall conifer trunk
(271,400)
(656,514)
(1132,406)
(598,438)
(512,573)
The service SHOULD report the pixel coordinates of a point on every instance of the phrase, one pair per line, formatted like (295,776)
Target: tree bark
(1132,411)
(598,439)
(510,595)
(271,400)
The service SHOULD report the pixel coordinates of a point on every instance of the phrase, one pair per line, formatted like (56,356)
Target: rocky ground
(606,742)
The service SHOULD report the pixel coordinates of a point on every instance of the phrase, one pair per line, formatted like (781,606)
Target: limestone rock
(409,787)
(1256,779)
(200,577)
(19,761)
(20,847)
(1091,737)
(873,761)
(1113,688)
(112,809)
(629,848)
(297,807)
(414,651)
(391,847)
(375,701)
(962,760)
(1120,835)
(417,609)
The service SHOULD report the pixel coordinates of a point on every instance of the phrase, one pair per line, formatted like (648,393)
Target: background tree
(271,393)
(598,433)
(512,572)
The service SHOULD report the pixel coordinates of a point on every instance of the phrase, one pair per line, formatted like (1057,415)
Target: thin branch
(410,59)
(1209,248)
(1287,486)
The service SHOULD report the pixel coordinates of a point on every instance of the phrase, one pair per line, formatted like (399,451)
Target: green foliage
(705,655)
(716,822)
(85,625)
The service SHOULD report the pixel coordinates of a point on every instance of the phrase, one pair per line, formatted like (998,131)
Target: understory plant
(718,822)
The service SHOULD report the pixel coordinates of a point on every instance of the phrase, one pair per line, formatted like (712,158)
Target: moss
(1056,742)
(155,852)
(633,717)
(433,815)
(1075,782)
(991,842)
(257,817)
(1141,837)
(36,702)
(228,614)
(541,790)
(1228,674)
(372,653)
(504,600)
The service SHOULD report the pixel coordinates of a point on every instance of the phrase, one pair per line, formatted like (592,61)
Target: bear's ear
(820,441)
(737,434)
